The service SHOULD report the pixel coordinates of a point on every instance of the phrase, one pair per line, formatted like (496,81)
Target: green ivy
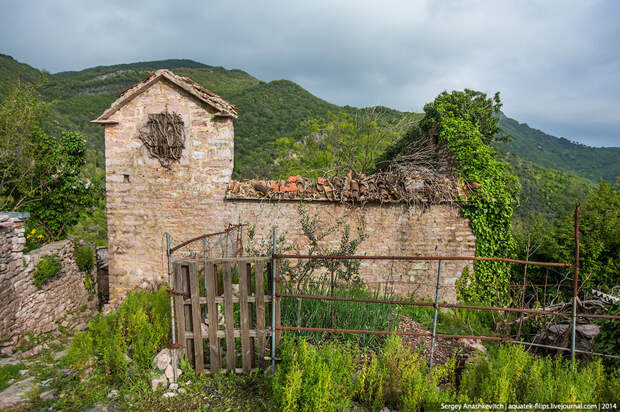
(47,268)
(466,123)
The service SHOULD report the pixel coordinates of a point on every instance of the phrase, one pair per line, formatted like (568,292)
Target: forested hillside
(270,110)
(593,163)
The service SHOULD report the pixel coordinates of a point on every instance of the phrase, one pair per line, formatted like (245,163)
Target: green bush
(139,329)
(84,257)
(312,378)
(511,374)
(47,268)
(608,341)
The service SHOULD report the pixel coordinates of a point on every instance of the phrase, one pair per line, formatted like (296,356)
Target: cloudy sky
(556,63)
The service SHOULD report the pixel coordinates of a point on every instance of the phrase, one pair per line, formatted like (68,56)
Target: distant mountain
(593,163)
(269,110)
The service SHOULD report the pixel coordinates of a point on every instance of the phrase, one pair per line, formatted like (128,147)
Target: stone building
(194,195)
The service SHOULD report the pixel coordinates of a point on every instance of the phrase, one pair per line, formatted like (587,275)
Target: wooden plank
(251,313)
(259,273)
(199,361)
(187,314)
(212,318)
(245,317)
(179,310)
(276,303)
(228,316)
(235,299)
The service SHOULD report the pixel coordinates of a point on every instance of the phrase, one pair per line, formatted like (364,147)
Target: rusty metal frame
(436,305)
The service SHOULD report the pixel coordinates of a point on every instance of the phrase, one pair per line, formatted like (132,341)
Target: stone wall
(61,301)
(145,200)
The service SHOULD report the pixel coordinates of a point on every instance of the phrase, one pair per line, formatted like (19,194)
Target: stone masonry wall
(61,301)
(144,201)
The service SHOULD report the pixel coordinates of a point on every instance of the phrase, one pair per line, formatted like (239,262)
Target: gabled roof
(224,109)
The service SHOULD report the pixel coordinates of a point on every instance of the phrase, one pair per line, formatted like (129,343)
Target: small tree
(338,143)
(39,173)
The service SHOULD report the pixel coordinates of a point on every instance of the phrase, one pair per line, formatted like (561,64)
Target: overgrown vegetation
(138,329)
(462,126)
(41,173)
(48,267)
(332,377)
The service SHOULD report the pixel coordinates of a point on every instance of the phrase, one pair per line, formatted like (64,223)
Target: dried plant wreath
(164,137)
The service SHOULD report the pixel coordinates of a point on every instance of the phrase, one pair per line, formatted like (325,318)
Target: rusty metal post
(273,300)
(575,284)
(436,305)
(172,315)
(331,293)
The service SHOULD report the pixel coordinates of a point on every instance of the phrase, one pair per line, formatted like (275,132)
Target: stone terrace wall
(61,301)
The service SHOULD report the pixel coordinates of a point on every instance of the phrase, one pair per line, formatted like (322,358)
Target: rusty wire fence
(227,244)
(436,305)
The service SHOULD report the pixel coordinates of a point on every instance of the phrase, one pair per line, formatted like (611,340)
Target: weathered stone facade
(144,200)
(61,301)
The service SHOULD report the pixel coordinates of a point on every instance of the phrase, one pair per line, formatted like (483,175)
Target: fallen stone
(589,331)
(169,394)
(170,373)
(113,394)
(173,386)
(16,394)
(9,361)
(473,344)
(181,390)
(59,355)
(159,382)
(47,395)
(23,372)
(98,408)
(163,359)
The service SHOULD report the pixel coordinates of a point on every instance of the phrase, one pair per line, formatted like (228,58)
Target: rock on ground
(163,359)
(159,381)
(16,394)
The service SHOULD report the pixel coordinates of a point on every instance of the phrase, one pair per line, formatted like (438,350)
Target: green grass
(347,315)
(8,372)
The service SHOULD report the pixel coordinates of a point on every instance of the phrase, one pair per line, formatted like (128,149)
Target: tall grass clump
(347,315)
(311,378)
(130,336)
(511,374)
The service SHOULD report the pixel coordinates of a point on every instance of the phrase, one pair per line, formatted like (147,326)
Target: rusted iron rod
(439,335)
(187,242)
(444,305)
(360,257)
(541,285)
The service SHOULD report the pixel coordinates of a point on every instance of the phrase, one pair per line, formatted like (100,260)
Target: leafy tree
(40,174)
(336,144)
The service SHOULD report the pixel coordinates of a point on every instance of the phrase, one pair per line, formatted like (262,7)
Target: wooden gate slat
(245,317)
(179,309)
(259,272)
(228,317)
(212,318)
(196,318)
(276,302)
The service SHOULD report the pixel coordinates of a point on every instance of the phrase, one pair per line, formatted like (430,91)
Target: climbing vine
(466,123)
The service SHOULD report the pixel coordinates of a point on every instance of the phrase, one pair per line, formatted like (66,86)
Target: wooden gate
(226,303)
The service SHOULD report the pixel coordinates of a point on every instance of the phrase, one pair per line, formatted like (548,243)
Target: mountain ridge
(269,110)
